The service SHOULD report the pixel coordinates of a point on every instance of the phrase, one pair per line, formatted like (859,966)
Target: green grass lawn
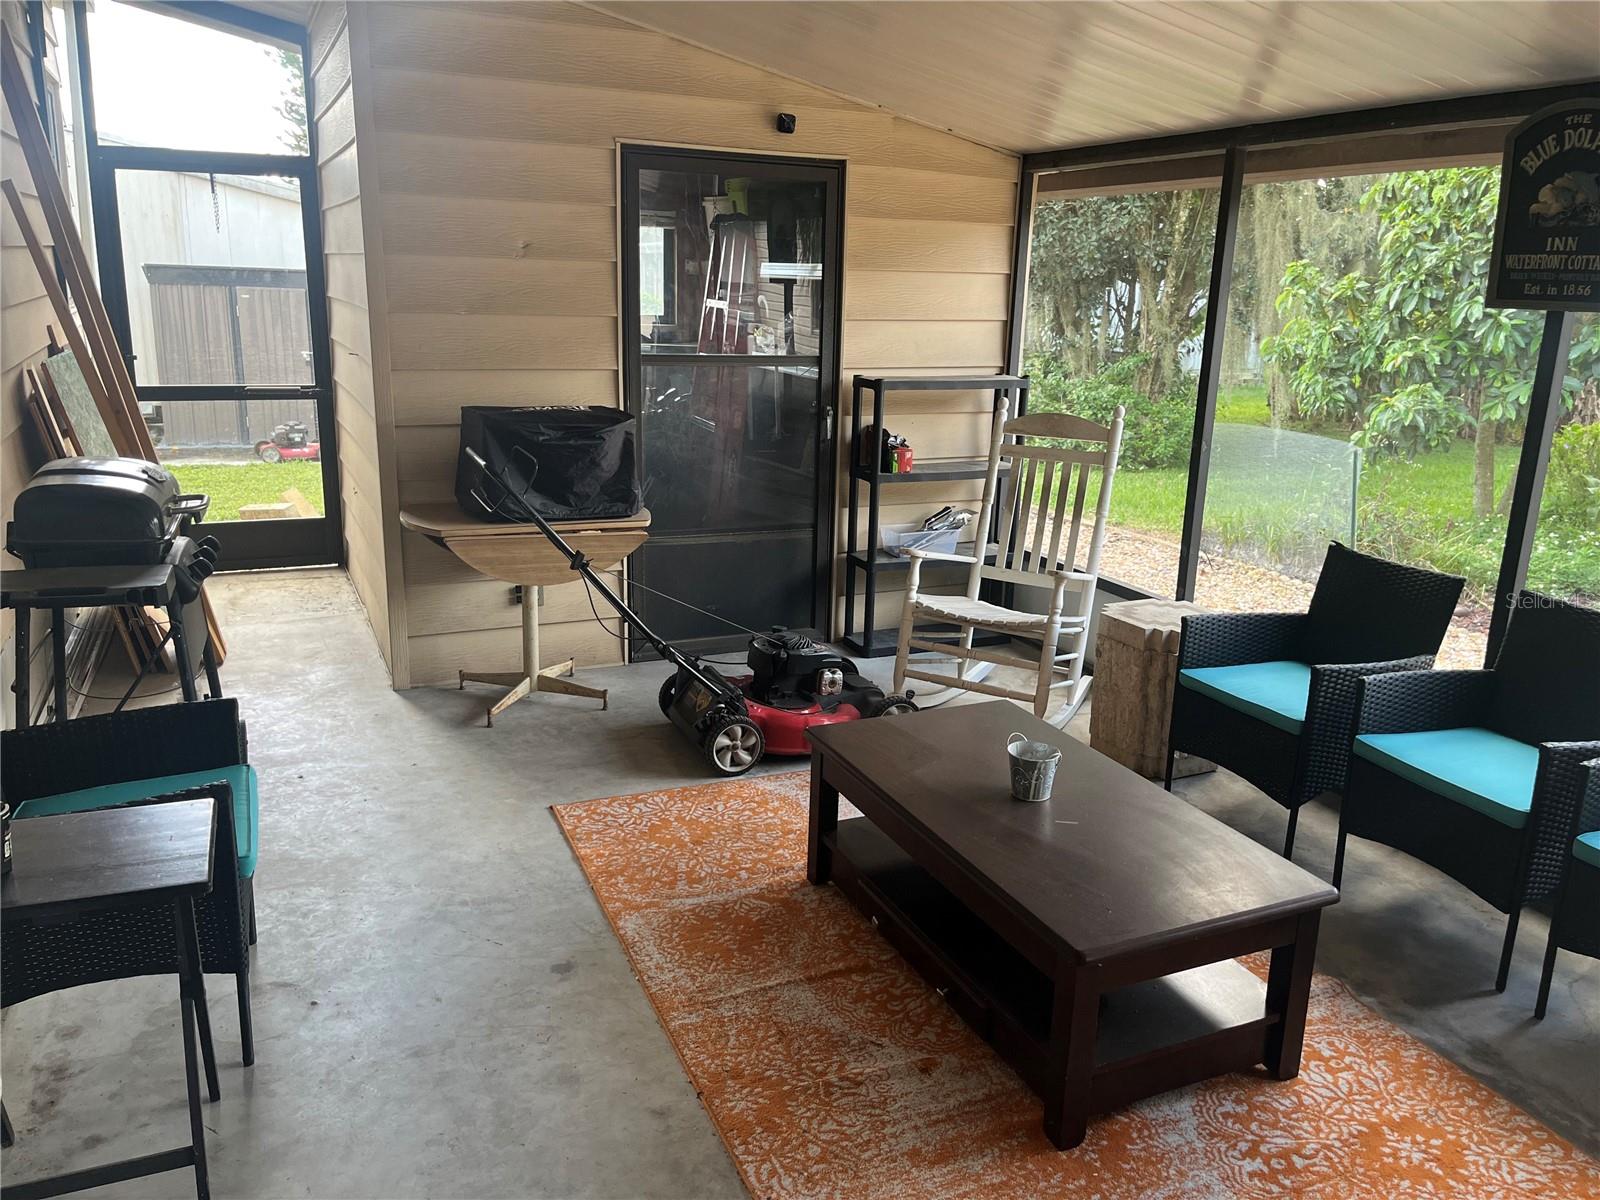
(1417,511)
(233,485)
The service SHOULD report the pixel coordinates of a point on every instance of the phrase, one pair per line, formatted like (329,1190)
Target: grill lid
(98,510)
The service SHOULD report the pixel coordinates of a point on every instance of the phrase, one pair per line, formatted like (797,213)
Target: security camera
(785,122)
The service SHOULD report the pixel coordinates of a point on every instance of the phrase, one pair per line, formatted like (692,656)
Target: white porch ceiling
(1038,76)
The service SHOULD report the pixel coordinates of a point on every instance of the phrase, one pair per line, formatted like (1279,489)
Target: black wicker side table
(140,860)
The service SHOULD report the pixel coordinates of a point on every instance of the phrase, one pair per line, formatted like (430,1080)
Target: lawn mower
(292,439)
(794,684)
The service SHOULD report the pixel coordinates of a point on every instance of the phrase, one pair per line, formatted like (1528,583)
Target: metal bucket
(1033,767)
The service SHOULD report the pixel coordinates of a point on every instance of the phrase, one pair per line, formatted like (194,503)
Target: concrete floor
(442,1010)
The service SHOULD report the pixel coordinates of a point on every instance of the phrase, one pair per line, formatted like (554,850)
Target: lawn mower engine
(794,684)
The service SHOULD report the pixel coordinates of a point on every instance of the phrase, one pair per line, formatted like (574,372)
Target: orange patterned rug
(831,1069)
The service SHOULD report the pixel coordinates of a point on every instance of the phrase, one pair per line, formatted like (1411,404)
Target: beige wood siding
(370,532)
(493,153)
(24,314)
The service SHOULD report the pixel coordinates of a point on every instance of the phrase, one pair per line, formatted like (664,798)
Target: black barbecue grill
(86,512)
(99,532)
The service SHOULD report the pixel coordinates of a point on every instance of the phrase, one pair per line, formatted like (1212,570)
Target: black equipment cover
(586,463)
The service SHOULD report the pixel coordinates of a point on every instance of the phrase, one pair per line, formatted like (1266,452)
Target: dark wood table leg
(192,983)
(1288,994)
(824,821)
(189,967)
(1074,1020)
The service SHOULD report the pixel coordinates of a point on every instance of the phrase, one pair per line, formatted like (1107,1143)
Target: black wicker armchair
(1575,924)
(94,762)
(1481,774)
(1271,696)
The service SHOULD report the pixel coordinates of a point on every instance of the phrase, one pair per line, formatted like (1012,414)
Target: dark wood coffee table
(1091,938)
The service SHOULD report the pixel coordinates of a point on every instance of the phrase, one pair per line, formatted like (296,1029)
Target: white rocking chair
(1033,518)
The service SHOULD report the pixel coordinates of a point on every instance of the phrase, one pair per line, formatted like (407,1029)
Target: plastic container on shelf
(900,542)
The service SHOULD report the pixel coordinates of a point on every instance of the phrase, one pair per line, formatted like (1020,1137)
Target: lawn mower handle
(580,562)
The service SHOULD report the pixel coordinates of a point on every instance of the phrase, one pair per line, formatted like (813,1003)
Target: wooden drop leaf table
(520,554)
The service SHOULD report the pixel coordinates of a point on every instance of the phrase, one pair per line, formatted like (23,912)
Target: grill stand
(57,589)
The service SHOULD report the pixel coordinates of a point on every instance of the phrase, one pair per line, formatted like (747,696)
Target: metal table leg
(58,660)
(19,685)
(213,680)
(533,677)
(180,648)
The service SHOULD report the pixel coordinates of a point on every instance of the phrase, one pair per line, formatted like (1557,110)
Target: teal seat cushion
(242,779)
(1274,692)
(1484,770)
(1587,848)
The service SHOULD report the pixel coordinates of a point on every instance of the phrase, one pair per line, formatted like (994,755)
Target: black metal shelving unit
(867,560)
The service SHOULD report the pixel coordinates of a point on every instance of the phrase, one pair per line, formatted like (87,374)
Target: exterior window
(1368,394)
(210,262)
(658,306)
(164,81)
(1116,309)
(1566,545)
(215,324)
(216,287)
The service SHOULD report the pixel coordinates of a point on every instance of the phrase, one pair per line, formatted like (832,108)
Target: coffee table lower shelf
(1149,1037)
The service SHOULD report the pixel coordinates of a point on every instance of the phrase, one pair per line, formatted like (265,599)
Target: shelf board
(942,469)
(940,383)
(883,560)
(1137,1021)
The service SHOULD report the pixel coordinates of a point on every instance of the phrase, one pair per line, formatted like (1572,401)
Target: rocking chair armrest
(918,557)
(1059,579)
(935,556)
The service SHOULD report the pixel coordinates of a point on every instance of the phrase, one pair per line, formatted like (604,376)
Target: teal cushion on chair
(242,779)
(1274,692)
(1484,770)
(1587,848)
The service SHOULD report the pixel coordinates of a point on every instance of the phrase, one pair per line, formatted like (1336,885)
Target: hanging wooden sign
(1547,229)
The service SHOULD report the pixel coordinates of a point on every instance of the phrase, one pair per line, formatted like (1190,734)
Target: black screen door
(209,233)
(730,336)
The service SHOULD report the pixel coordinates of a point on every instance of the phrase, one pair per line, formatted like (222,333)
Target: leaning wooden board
(93,344)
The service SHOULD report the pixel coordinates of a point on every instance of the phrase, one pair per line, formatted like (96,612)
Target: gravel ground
(1150,561)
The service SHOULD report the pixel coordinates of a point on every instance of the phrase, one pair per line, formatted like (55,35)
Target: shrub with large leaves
(1406,351)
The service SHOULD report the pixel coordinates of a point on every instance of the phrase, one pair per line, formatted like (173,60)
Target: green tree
(1406,351)
(292,108)
(1317,220)
(1113,276)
